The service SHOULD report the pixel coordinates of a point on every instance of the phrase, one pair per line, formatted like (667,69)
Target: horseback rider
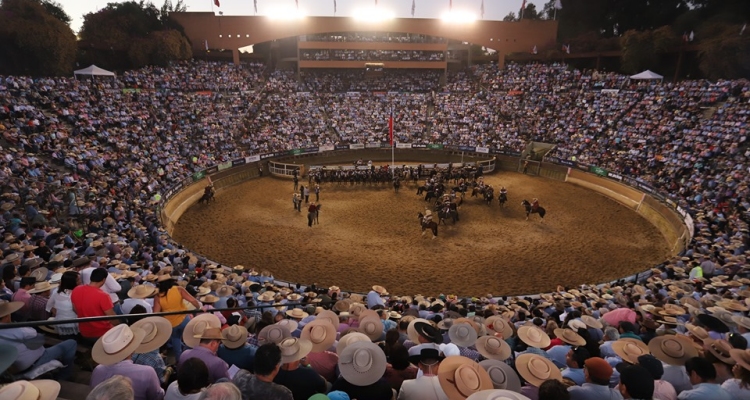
(427,217)
(208,190)
(535,205)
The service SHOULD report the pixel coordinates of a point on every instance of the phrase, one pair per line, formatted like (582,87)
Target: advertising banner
(435,146)
(224,165)
(342,147)
(296,152)
(212,170)
(403,145)
(484,150)
(199,175)
(326,147)
(239,161)
(267,155)
(467,148)
(614,176)
(357,146)
(372,145)
(597,170)
(252,159)
(310,150)
(418,146)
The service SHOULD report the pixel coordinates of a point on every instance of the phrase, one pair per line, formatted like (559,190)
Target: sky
(493,9)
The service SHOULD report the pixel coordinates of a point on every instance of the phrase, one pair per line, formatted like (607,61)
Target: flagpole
(393,151)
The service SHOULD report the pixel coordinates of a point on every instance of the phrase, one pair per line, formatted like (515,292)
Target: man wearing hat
(139,295)
(210,340)
(597,372)
(260,384)
(234,349)
(362,365)
(114,352)
(31,356)
(428,362)
(427,336)
(39,297)
(575,360)
(23,296)
(302,380)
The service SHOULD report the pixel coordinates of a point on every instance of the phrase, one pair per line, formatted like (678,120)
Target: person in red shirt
(90,301)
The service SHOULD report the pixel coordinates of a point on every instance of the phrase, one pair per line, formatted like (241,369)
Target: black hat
(427,357)
(427,331)
(713,323)
(652,364)
(80,262)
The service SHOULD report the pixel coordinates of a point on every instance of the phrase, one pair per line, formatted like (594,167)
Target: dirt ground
(370,235)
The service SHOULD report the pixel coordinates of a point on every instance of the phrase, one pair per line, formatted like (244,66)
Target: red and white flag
(390,127)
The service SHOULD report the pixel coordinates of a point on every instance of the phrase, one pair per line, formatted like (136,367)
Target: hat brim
(330,334)
(497,394)
(655,346)
(377,363)
(188,335)
(495,367)
(448,377)
(282,332)
(163,333)
(481,346)
(48,389)
(470,340)
(133,295)
(419,328)
(304,348)
(522,366)
(10,307)
(102,357)
(236,344)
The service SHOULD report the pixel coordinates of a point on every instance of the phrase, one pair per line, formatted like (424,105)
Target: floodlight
(286,13)
(459,17)
(373,14)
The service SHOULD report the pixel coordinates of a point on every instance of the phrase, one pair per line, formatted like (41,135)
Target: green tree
(642,49)
(726,53)
(33,41)
(56,10)
(530,12)
(510,17)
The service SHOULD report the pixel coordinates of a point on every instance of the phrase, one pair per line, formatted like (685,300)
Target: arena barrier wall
(674,222)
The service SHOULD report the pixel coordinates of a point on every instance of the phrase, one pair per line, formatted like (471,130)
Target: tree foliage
(726,53)
(642,49)
(530,12)
(33,41)
(510,17)
(131,35)
(56,10)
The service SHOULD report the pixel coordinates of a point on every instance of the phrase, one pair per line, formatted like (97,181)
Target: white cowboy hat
(362,363)
(41,287)
(320,333)
(493,348)
(462,334)
(157,330)
(293,349)
(297,313)
(290,324)
(234,337)
(197,325)
(350,338)
(117,344)
(536,369)
(141,291)
(503,376)
(329,316)
(460,377)
(273,334)
(43,389)
(371,325)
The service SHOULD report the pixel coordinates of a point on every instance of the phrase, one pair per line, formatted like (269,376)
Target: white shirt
(110,287)
(128,304)
(735,389)
(173,393)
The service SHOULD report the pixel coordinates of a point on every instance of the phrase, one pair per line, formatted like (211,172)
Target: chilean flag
(390,127)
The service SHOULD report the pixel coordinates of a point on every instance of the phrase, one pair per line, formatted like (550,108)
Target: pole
(393,151)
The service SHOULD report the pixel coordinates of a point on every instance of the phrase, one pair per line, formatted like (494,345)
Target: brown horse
(432,225)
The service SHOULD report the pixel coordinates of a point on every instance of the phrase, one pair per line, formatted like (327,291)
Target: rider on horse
(503,191)
(427,217)
(535,205)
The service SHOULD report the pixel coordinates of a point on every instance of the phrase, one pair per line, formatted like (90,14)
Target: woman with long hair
(60,306)
(170,298)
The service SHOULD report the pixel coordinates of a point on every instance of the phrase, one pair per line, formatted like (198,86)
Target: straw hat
(210,333)
(445,323)
(497,394)
(371,325)
(356,308)
(273,334)
(533,336)
(42,389)
(362,363)
(165,277)
(320,333)
(266,296)
(380,290)
(741,357)
(350,338)
(630,349)
(290,324)
(460,377)
(40,274)
(157,332)
(293,349)
(330,316)
(9,307)
(498,324)
(41,287)
(502,375)
(672,349)
(493,348)
(209,299)
(203,290)
(536,369)
(697,332)
(297,313)
(570,337)
(742,321)
(234,337)
(117,344)
(141,292)
(197,325)
(720,349)
(592,322)
(462,334)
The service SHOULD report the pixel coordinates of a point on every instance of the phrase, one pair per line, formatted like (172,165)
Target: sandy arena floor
(369,235)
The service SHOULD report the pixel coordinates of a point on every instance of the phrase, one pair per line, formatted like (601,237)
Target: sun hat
(570,337)
(8,354)
(576,324)
(460,377)
(371,325)
(672,349)
(533,336)
(40,274)
(141,291)
(350,338)
(297,313)
(362,363)
(293,349)
(117,344)
(502,375)
(210,333)
(234,337)
(290,324)
(493,348)
(498,324)
(9,307)
(356,309)
(380,290)
(462,334)
(536,369)
(697,332)
(330,316)
(157,332)
(741,357)
(209,299)
(497,394)
(428,332)
(713,323)
(164,277)
(42,389)
(630,349)
(320,333)
(197,325)
(266,296)
(41,287)
(720,349)
(741,321)
(273,334)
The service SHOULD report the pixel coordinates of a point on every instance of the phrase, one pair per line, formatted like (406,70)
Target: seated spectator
(61,307)
(260,385)
(90,301)
(635,382)
(702,375)
(117,387)
(191,380)
(597,373)
(210,340)
(235,350)
(294,373)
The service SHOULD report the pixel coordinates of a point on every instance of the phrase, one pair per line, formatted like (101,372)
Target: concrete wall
(616,191)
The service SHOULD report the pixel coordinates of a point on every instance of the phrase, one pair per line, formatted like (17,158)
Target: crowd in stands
(83,164)
(371,55)
(373,37)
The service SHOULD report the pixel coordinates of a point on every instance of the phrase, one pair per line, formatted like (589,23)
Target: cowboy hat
(630,349)
(445,323)
(536,369)
(356,308)
(498,324)
(713,323)
(40,274)
(411,332)
(329,316)
(41,287)
(741,357)
(742,321)
(141,291)
(533,336)
(462,334)
(350,338)
(196,326)
(293,349)
(9,307)
(42,389)
(720,349)
(460,377)
(202,291)
(234,337)
(290,324)
(428,332)
(224,291)
(320,333)
(209,299)
(165,277)
(371,325)
(426,355)
(672,349)
(502,375)
(158,331)
(380,290)
(570,337)
(297,313)
(210,333)
(493,348)
(497,394)
(273,334)
(362,363)
(591,322)
(266,296)
(117,344)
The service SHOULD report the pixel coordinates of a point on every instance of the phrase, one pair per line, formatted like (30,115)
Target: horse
(443,215)
(489,195)
(529,210)
(207,197)
(502,198)
(396,185)
(432,225)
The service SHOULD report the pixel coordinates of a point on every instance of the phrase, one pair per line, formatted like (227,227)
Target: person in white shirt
(739,387)
(192,378)
(139,295)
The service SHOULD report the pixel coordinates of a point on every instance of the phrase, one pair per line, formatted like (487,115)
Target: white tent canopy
(647,75)
(94,70)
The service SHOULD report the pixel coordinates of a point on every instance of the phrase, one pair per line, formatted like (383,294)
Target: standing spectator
(90,301)
(170,298)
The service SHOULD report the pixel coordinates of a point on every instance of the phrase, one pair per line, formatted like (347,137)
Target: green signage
(435,146)
(598,171)
(199,175)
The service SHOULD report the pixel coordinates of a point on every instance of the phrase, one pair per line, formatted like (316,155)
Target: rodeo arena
(314,230)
